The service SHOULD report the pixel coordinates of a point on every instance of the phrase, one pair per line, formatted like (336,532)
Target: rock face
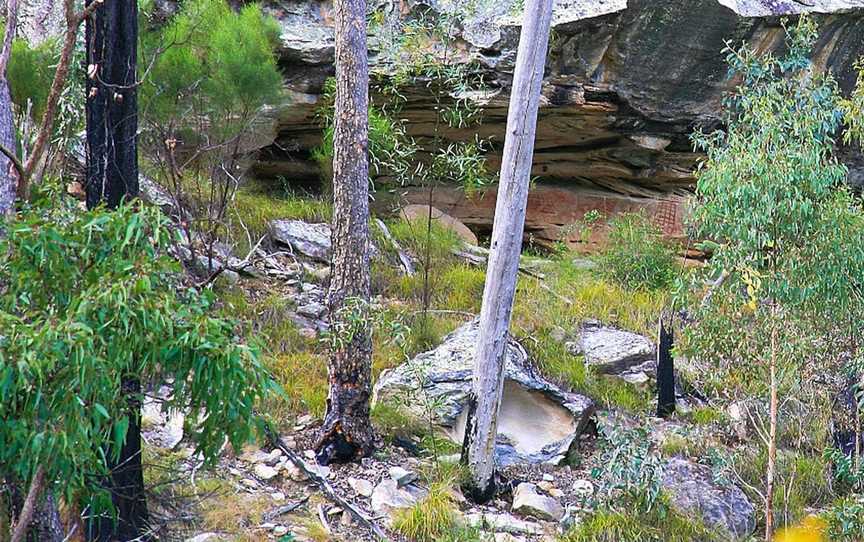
(610,350)
(538,421)
(693,492)
(418,213)
(626,83)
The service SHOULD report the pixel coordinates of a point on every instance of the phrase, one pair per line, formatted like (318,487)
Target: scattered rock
(312,240)
(402,476)
(418,212)
(265,472)
(528,502)
(550,489)
(362,487)
(538,421)
(161,429)
(312,310)
(504,523)
(693,492)
(205,537)
(584,488)
(388,496)
(280,530)
(611,350)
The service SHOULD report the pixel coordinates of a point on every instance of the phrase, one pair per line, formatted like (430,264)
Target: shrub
(636,255)
(88,299)
(30,73)
(845,521)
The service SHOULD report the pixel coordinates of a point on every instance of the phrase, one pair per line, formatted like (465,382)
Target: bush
(30,74)
(845,521)
(88,299)
(637,256)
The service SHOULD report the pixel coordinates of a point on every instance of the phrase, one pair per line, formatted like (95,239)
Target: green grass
(611,526)
(257,202)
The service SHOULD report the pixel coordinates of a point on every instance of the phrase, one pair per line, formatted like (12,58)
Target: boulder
(388,496)
(693,492)
(538,420)
(528,502)
(312,240)
(610,350)
(417,213)
(362,487)
(503,523)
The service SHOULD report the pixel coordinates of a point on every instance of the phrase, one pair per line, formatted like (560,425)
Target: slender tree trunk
(112,177)
(347,433)
(8,174)
(772,431)
(500,289)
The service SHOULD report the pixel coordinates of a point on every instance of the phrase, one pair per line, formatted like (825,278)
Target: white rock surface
(527,501)
(611,350)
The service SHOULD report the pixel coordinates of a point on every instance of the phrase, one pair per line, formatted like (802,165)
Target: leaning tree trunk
(347,433)
(482,427)
(112,177)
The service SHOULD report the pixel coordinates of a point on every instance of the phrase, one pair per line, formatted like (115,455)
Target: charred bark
(347,432)
(112,178)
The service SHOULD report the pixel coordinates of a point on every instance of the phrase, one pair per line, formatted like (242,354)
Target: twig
(285,509)
(404,258)
(714,287)
(322,516)
(36,485)
(324,485)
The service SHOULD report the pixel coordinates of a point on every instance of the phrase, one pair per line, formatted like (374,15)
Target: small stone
(548,477)
(295,473)
(527,501)
(503,523)
(278,496)
(265,472)
(248,482)
(550,489)
(312,310)
(280,530)
(362,487)
(273,457)
(507,537)
(402,476)
(388,496)
(229,277)
(583,488)
(310,454)
(205,537)
(268,526)
(234,472)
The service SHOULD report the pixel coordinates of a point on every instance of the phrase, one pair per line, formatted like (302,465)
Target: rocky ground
(547,437)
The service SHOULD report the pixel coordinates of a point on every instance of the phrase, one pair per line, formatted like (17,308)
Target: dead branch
(404,257)
(324,485)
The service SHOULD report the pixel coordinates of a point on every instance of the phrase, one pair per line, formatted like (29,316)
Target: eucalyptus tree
(500,289)
(772,196)
(347,431)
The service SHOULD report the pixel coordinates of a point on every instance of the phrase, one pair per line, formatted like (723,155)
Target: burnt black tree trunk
(112,104)
(112,177)
(665,371)
(347,432)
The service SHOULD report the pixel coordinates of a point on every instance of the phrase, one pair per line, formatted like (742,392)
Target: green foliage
(636,255)
(630,472)
(30,73)
(845,520)
(89,299)
(430,518)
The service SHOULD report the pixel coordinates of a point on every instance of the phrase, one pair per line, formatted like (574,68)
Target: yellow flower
(810,529)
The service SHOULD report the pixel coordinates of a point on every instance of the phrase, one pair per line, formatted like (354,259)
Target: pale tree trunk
(347,434)
(772,431)
(479,447)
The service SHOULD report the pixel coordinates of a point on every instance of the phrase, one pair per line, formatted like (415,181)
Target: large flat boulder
(312,240)
(611,350)
(693,492)
(538,421)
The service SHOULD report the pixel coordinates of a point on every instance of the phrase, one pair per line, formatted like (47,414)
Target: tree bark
(112,178)
(112,106)
(665,370)
(347,432)
(500,289)
(8,173)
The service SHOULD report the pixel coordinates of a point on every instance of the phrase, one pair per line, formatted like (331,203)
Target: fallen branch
(404,258)
(325,487)
(285,509)
(478,256)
